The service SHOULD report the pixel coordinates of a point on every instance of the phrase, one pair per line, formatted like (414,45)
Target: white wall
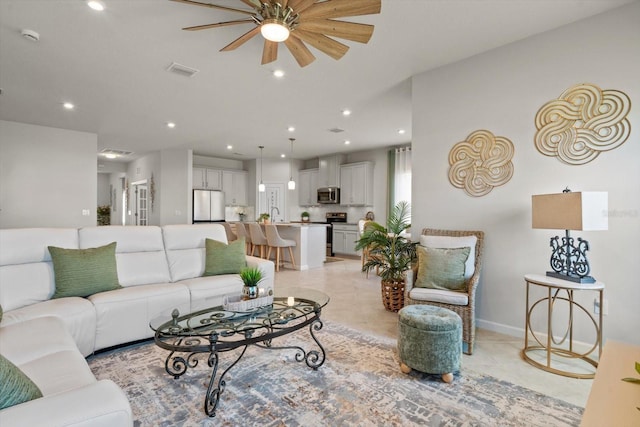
(48,176)
(501,91)
(173,189)
(104,191)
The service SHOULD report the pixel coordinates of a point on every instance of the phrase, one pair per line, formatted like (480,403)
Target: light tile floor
(356,302)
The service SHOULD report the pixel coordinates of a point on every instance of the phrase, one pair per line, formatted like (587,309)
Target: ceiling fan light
(274,30)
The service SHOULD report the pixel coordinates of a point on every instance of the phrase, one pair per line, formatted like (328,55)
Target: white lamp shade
(261,188)
(291,185)
(274,31)
(571,211)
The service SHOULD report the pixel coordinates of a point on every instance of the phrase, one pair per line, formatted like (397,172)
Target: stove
(332,217)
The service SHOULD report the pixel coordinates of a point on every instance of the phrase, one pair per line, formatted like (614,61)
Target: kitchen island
(311,244)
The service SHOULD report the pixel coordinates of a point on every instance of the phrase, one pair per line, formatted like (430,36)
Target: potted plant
(263,218)
(390,253)
(250,276)
(304,216)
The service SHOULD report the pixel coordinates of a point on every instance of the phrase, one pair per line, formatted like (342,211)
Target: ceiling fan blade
(344,30)
(241,40)
(299,51)
(219,24)
(215,6)
(334,49)
(300,5)
(340,8)
(270,51)
(251,3)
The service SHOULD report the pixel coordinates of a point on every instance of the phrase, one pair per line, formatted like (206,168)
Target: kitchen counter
(311,243)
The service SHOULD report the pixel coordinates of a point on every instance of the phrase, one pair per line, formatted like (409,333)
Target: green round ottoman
(430,340)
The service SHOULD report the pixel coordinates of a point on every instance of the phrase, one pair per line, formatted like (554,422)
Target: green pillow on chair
(16,386)
(224,259)
(84,272)
(442,268)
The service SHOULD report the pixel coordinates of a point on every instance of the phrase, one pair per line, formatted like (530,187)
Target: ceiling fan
(306,21)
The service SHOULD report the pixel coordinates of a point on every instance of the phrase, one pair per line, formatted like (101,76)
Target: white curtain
(402,178)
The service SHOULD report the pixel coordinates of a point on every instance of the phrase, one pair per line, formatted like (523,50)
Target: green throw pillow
(1,313)
(16,386)
(442,268)
(84,272)
(224,259)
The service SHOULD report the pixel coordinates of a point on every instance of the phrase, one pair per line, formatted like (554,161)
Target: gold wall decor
(583,122)
(480,163)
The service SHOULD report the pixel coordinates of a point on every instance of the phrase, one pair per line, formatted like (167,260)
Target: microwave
(329,195)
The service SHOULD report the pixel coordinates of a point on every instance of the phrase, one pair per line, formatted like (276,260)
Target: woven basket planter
(393,294)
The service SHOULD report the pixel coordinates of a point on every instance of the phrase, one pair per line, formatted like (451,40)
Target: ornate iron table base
(176,364)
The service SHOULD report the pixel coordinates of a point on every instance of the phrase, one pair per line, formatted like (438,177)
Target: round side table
(564,347)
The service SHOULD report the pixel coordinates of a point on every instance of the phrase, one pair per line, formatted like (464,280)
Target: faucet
(272,209)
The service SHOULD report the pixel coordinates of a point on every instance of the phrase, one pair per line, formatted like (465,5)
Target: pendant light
(261,187)
(291,184)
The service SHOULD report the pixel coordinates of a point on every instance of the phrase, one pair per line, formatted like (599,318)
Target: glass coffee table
(212,331)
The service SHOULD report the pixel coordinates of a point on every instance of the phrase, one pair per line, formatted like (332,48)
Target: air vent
(182,70)
(116,152)
(336,130)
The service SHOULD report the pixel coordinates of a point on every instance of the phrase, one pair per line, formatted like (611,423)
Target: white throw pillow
(455,242)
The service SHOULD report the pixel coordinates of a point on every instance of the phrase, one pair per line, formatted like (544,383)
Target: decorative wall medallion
(480,163)
(583,122)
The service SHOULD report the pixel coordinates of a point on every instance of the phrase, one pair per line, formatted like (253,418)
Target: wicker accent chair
(462,303)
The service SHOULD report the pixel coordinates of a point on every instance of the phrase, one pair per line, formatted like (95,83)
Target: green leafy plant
(263,217)
(389,252)
(305,213)
(251,276)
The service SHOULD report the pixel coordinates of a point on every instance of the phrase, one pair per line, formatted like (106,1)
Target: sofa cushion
(139,252)
(26,271)
(185,246)
(442,268)
(454,242)
(224,259)
(84,272)
(16,386)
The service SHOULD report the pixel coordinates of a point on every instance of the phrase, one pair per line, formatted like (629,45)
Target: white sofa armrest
(100,404)
(267,268)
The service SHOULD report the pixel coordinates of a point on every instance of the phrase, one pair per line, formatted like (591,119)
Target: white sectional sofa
(159,268)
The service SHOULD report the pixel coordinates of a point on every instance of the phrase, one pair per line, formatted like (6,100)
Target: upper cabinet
(308,185)
(356,184)
(234,185)
(329,170)
(207,179)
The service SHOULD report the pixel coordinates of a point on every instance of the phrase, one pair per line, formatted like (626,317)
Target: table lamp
(585,211)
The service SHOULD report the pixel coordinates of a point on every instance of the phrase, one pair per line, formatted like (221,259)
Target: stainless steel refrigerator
(208,206)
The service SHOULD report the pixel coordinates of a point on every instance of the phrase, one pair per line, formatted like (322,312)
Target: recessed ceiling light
(171,125)
(291,129)
(278,73)
(347,142)
(346,112)
(283,155)
(68,106)
(401,131)
(96,5)
(229,147)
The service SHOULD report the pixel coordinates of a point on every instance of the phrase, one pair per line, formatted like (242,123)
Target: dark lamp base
(576,279)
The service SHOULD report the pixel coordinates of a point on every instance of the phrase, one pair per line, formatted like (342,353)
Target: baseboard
(519,333)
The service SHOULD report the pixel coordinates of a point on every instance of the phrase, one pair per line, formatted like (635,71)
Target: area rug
(359,384)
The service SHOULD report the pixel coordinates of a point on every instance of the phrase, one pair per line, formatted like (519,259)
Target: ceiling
(112,66)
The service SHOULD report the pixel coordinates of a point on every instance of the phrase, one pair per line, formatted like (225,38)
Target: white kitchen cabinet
(234,186)
(344,239)
(206,178)
(308,184)
(329,170)
(356,180)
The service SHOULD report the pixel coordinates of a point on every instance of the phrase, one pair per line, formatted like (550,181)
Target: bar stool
(257,238)
(275,241)
(230,234)
(241,232)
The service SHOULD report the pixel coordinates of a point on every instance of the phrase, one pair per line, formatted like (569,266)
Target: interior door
(272,201)
(141,215)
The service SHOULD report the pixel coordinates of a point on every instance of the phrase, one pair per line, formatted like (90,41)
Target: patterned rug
(359,384)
